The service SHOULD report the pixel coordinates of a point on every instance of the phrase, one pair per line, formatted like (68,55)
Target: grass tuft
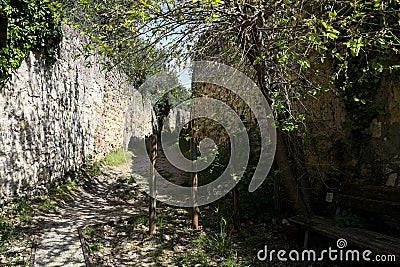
(115,158)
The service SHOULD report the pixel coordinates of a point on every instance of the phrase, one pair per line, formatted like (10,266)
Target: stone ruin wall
(54,118)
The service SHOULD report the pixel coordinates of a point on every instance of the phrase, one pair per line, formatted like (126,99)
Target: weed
(7,232)
(88,231)
(137,220)
(23,210)
(131,180)
(220,245)
(191,259)
(127,180)
(95,246)
(159,221)
(89,170)
(126,194)
(230,263)
(61,193)
(49,204)
(65,191)
(199,241)
(156,253)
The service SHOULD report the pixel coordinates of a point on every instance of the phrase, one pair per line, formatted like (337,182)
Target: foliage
(14,217)
(6,231)
(64,192)
(95,246)
(188,259)
(32,26)
(65,189)
(89,231)
(112,28)
(216,168)
(218,244)
(86,171)
(114,158)
(284,41)
(367,30)
(361,39)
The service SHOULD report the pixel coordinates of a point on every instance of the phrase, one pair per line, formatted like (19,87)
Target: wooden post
(235,194)
(3,31)
(195,212)
(277,194)
(152,184)
(195,218)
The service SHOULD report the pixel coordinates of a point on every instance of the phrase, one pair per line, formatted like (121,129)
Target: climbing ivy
(359,96)
(362,38)
(32,26)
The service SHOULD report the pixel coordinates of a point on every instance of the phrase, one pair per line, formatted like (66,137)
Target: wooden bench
(382,201)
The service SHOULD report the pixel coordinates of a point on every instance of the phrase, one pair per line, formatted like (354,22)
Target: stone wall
(382,154)
(327,143)
(53,118)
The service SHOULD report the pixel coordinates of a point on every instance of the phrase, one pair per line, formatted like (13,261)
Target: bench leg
(337,211)
(306,234)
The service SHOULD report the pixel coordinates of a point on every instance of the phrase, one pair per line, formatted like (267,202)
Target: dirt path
(98,201)
(59,243)
(112,211)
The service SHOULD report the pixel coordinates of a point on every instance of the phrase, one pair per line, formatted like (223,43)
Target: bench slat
(361,238)
(370,191)
(370,205)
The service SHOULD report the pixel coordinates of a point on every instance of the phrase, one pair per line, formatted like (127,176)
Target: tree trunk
(298,198)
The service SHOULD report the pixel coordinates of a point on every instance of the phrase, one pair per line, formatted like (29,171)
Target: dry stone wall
(53,118)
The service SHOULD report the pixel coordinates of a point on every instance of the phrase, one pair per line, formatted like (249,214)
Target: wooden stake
(195,212)
(235,194)
(152,185)
(276,194)
(195,218)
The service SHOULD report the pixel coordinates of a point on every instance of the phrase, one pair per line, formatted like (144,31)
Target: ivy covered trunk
(3,31)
